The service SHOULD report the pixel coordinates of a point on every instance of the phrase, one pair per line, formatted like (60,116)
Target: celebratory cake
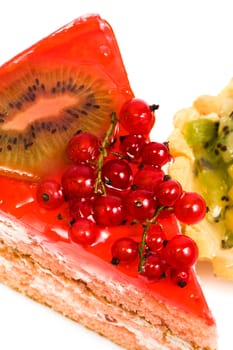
(201,143)
(89,220)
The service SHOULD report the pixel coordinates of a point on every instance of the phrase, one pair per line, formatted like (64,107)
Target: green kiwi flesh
(41,108)
(212,145)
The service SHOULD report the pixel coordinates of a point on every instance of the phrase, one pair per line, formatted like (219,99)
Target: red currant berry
(124,250)
(80,208)
(140,204)
(108,210)
(155,153)
(117,174)
(181,251)
(155,238)
(83,147)
(131,145)
(136,116)
(83,232)
(180,277)
(78,181)
(153,268)
(190,208)
(168,192)
(50,194)
(148,178)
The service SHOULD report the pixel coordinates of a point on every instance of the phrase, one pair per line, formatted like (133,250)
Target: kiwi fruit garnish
(212,146)
(68,82)
(42,107)
(201,144)
(199,132)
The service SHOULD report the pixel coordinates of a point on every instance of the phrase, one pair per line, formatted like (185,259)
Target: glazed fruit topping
(180,277)
(78,181)
(117,174)
(179,251)
(155,238)
(148,178)
(80,208)
(155,153)
(124,250)
(69,81)
(120,180)
(190,208)
(108,210)
(83,231)
(154,268)
(83,147)
(50,194)
(131,145)
(168,192)
(136,116)
(140,204)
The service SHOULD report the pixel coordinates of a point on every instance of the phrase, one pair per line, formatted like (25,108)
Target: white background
(173,51)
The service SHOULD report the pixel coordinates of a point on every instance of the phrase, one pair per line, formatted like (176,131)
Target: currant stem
(154,107)
(99,185)
(142,245)
(119,155)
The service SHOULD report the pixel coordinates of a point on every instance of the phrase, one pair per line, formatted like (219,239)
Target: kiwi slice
(42,107)
(224,142)
(200,132)
(212,146)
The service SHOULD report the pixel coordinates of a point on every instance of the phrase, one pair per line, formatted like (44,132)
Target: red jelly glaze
(23,205)
(102,52)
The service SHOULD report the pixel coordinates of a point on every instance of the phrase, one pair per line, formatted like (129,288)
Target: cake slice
(201,143)
(84,225)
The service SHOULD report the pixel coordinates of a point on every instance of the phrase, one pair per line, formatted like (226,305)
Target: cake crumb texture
(83,303)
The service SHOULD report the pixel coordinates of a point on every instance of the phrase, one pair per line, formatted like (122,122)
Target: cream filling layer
(47,283)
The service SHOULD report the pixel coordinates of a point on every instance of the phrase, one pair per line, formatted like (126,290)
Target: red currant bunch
(107,184)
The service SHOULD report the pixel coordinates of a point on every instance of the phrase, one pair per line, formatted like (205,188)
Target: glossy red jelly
(22,204)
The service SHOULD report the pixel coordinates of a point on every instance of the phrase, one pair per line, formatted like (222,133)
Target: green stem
(99,185)
(142,245)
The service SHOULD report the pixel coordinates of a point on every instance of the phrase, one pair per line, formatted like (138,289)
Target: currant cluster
(122,181)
